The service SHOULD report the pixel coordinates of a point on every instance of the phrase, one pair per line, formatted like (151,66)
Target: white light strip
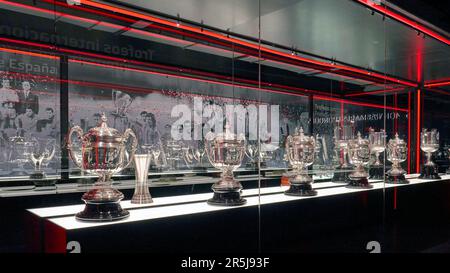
(149,213)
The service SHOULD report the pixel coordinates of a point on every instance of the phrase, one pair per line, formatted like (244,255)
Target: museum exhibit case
(313,117)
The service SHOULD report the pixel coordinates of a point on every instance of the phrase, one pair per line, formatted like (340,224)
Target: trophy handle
(126,135)
(79,132)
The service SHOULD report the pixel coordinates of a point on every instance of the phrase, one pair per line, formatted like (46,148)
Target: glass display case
(268,103)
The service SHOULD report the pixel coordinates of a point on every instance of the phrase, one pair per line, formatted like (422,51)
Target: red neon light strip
(409,133)
(9,50)
(418,129)
(374,92)
(203,32)
(240,42)
(437,84)
(405,20)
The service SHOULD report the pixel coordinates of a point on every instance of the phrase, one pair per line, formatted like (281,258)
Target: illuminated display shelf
(193,204)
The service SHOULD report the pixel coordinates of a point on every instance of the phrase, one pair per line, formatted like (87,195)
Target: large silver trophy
(377,145)
(343,133)
(300,152)
(225,151)
(41,154)
(397,152)
(429,143)
(359,156)
(103,153)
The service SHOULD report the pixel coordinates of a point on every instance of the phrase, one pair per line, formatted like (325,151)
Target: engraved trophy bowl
(359,156)
(343,133)
(103,153)
(397,152)
(41,154)
(377,145)
(20,152)
(429,143)
(226,151)
(300,152)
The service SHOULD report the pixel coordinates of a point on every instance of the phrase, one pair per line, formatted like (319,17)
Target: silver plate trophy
(343,133)
(397,152)
(41,154)
(225,151)
(141,192)
(103,153)
(429,143)
(377,145)
(359,156)
(300,152)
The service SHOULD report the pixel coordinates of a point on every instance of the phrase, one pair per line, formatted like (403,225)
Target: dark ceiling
(435,12)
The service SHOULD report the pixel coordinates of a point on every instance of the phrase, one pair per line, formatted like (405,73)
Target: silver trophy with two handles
(103,153)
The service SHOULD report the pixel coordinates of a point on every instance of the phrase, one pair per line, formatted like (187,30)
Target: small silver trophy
(252,153)
(359,155)
(300,152)
(377,145)
(141,192)
(343,133)
(194,157)
(41,154)
(429,143)
(397,152)
(225,152)
(20,152)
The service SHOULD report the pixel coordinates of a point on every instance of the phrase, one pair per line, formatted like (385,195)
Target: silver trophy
(173,154)
(141,192)
(397,152)
(377,145)
(20,153)
(225,151)
(103,153)
(252,153)
(359,156)
(343,133)
(429,143)
(42,153)
(300,152)
(194,157)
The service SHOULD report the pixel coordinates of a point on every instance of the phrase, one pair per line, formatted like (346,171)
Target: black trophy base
(227,199)
(361,183)
(102,212)
(429,172)
(301,190)
(376,172)
(398,179)
(341,175)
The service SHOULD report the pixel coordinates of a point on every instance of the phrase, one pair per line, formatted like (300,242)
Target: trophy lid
(103,134)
